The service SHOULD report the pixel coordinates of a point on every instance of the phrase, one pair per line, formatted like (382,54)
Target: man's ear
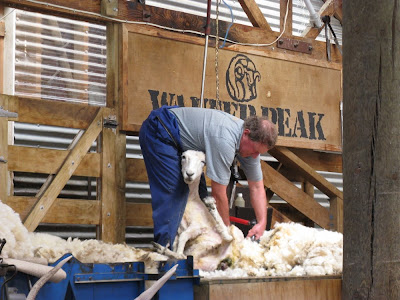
(246,131)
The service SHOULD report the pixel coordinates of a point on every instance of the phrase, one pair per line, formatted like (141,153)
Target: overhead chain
(217,52)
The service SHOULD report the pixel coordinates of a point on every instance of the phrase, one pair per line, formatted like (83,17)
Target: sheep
(195,219)
(201,233)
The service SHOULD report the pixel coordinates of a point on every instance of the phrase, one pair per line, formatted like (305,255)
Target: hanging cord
(230,24)
(75,11)
(3,288)
(216,53)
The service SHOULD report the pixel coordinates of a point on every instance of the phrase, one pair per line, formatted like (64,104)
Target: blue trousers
(161,152)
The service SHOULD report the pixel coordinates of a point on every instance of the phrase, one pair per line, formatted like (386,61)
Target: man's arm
(258,200)
(218,191)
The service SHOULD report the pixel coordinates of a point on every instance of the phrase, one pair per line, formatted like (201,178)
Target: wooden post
(4,174)
(308,188)
(113,152)
(371,153)
(336,214)
(2,32)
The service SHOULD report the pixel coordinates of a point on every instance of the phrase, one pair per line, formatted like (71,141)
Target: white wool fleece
(18,243)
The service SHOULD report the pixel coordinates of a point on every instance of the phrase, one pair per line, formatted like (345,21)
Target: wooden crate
(276,288)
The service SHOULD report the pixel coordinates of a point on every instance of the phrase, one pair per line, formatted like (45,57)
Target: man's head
(259,135)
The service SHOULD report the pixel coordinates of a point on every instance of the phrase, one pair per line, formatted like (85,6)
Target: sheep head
(192,163)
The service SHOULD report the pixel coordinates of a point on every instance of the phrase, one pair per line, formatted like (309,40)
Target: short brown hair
(261,130)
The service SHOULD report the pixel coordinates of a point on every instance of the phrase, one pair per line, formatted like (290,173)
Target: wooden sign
(302,99)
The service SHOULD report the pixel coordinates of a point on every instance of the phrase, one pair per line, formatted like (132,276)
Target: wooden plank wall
(106,164)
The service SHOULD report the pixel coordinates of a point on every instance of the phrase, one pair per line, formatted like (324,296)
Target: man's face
(249,148)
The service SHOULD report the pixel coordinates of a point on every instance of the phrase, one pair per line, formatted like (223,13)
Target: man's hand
(257,231)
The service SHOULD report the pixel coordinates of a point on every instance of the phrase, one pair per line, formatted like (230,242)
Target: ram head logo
(241,79)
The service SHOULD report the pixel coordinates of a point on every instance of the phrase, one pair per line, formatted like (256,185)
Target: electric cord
(3,288)
(160,26)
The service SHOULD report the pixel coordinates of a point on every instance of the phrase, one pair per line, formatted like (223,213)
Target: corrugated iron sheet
(60,59)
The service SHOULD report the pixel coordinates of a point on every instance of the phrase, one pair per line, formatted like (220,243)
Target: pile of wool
(22,244)
(296,250)
(18,241)
(290,249)
(88,251)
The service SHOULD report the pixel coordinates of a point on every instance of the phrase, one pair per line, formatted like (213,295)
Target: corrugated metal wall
(63,59)
(270,9)
(60,59)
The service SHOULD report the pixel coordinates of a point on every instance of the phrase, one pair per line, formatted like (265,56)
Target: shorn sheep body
(289,249)
(201,233)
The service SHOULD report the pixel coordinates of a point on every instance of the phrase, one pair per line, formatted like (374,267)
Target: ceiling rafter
(329,8)
(254,14)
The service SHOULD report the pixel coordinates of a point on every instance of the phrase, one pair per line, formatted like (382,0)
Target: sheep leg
(165,251)
(191,232)
(219,224)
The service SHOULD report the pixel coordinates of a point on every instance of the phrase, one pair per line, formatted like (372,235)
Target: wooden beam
(63,211)
(136,170)
(113,165)
(254,14)
(70,164)
(286,7)
(278,217)
(294,196)
(130,11)
(4,174)
(139,214)
(53,113)
(320,161)
(288,158)
(113,202)
(2,32)
(371,149)
(47,161)
(292,213)
(328,9)
(336,214)
(274,287)
(338,10)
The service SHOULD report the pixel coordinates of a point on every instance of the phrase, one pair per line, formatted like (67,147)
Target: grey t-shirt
(218,135)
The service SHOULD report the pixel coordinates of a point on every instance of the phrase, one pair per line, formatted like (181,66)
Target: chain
(217,52)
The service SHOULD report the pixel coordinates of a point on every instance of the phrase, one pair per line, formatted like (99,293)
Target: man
(169,131)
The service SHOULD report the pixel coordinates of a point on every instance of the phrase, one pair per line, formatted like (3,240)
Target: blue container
(88,282)
(111,281)
(179,286)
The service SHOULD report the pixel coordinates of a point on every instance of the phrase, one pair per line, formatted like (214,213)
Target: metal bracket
(295,45)
(7,114)
(110,122)
(146,16)
(4,161)
(109,8)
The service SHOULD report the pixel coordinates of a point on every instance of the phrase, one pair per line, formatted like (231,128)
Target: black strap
(170,135)
(269,218)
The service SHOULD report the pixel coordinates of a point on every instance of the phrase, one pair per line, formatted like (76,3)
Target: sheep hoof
(165,251)
(209,202)
(227,237)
